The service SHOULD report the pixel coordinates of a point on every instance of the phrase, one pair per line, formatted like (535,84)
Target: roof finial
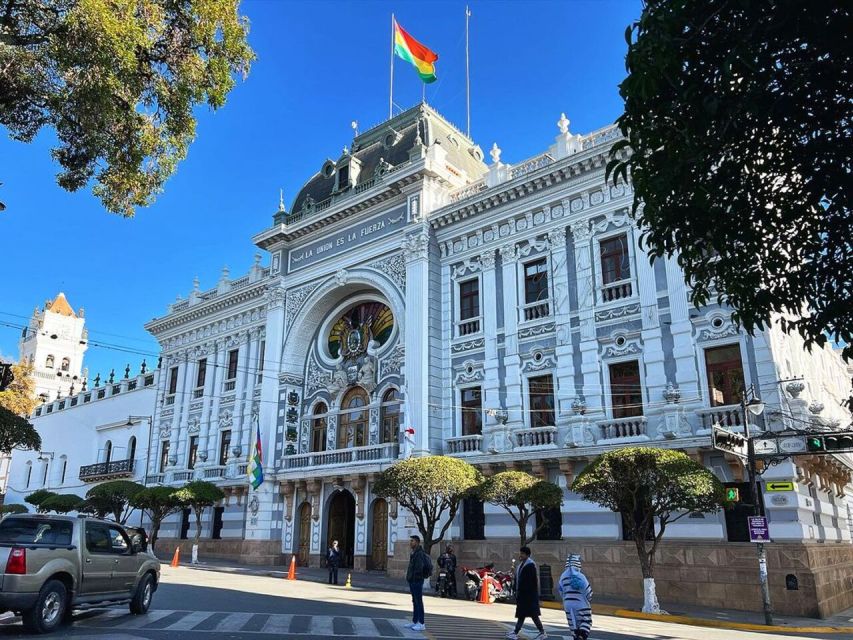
(563,123)
(195,283)
(281,200)
(354,125)
(495,153)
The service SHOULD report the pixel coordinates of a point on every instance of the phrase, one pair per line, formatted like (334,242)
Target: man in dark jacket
(333,559)
(447,561)
(420,568)
(527,595)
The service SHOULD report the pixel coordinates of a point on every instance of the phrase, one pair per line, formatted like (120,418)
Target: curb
(610,610)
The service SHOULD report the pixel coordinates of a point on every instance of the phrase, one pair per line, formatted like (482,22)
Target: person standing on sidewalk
(574,587)
(420,569)
(333,559)
(527,595)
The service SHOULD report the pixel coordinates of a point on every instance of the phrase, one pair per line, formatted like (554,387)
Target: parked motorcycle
(500,583)
(442,584)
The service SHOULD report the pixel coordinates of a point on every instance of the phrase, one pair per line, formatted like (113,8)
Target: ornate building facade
(418,300)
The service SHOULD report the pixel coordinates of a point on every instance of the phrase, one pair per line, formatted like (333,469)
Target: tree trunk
(650,600)
(155,530)
(522,531)
(197,536)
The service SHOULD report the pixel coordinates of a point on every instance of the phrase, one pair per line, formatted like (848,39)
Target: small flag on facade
(256,463)
(412,51)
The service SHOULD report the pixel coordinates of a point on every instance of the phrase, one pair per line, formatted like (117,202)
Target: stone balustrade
(618,290)
(536,310)
(155,478)
(182,476)
(621,428)
(354,455)
(212,473)
(465,444)
(468,327)
(536,437)
(728,415)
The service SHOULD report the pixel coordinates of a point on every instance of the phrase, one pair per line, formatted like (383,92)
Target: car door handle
(88,560)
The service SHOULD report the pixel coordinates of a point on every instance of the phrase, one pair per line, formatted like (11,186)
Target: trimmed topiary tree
(159,503)
(62,503)
(431,488)
(522,496)
(37,497)
(112,499)
(198,495)
(8,509)
(646,484)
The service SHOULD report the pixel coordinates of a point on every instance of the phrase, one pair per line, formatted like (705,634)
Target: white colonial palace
(419,300)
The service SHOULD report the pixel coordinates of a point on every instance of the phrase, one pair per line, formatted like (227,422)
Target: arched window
(131,448)
(352,424)
(64,461)
(66,364)
(44,473)
(389,416)
(29,473)
(108,451)
(318,428)
(48,363)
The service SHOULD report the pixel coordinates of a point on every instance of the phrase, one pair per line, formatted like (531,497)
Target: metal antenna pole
(467,77)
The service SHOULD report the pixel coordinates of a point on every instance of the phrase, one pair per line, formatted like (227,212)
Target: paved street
(201,605)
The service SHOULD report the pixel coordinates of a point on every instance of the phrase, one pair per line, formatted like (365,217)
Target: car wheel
(144,593)
(49,610)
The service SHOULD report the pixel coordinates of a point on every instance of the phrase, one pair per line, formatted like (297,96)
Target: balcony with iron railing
(465,445)
(107,471)
(355,455)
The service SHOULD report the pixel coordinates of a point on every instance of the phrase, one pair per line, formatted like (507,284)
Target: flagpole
(391,94)
(467,76)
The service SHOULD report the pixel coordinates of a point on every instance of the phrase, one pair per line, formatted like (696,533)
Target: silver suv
(51,563)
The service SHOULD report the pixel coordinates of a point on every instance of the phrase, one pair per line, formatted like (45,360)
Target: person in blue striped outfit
(574,588)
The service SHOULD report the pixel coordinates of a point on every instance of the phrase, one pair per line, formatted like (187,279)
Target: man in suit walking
(527,595)
(333,559)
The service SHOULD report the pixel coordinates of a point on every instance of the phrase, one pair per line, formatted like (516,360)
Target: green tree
(61,503)
(198,495)
(118,81)
(17,433)
(646,485)
(737,128)
(7,509)
(431,488)
(20,396)
(36,498)
(112,499)
(159,503)
(522,496)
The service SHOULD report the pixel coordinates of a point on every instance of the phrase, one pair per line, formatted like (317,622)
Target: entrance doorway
(342,525)
(379,536)
(304,547)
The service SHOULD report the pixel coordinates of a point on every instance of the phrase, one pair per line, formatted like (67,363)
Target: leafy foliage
(118,81)
(20,396)
(431,487)
(6,509)
(738,122)
(198,495)
(645,485)
(36,498)
(522,496)
(17,432)
(112,499)
(61,503)
(159,503)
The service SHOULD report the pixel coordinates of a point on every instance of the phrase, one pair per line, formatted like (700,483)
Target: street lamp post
(129,423)
(756,407)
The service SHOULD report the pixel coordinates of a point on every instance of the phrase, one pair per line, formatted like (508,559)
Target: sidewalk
(623,608)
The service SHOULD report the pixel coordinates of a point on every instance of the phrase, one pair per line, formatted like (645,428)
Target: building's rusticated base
(723,575)
(257,552)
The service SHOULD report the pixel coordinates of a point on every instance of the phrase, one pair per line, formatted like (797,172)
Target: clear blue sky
(320,65)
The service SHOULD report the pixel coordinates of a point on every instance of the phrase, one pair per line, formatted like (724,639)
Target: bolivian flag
(410,50)
(256,463)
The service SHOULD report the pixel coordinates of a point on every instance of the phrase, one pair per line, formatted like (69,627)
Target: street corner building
(418,298)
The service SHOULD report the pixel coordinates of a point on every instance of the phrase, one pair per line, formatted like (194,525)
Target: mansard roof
(390,144)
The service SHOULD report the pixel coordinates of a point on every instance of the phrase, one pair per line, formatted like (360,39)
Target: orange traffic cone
(484,591)
(176,559)
(291,573)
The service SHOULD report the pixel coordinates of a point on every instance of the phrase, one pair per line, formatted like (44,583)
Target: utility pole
(756,406)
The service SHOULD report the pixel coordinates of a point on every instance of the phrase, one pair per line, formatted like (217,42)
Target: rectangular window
(625,390)
(541,392)
(202,373)
(232,364)
(472,412)
(343,178)
(536,281)
(224,445)
(725,374)
(164,455)
(216,532)
(34,530)
(193,452)
(261,355)
(615,263)
(173,380)
(318,434)
(469,299)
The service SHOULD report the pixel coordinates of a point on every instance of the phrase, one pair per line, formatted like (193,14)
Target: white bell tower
(54,344)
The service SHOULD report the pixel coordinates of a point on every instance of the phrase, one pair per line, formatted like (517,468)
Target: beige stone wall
(257,552)
(723,575)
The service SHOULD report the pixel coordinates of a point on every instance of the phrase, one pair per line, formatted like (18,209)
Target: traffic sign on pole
(758,530)
(779,486)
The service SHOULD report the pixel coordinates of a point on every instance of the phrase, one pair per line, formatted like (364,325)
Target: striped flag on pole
(256,463)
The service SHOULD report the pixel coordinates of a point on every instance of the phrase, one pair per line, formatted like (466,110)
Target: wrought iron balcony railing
(107,470)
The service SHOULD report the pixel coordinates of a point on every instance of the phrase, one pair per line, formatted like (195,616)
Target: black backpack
(427,566)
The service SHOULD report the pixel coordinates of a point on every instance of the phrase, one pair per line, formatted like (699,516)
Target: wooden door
(379,535)
(304,535)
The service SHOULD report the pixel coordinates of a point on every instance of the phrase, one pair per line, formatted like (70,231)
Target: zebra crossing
(243,622)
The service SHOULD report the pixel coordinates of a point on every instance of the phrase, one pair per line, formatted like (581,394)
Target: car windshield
(35,531)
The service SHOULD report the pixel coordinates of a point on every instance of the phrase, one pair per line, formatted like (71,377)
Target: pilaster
(512,360)
(591,390)
(683,349)
(416,254)
(564,383)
